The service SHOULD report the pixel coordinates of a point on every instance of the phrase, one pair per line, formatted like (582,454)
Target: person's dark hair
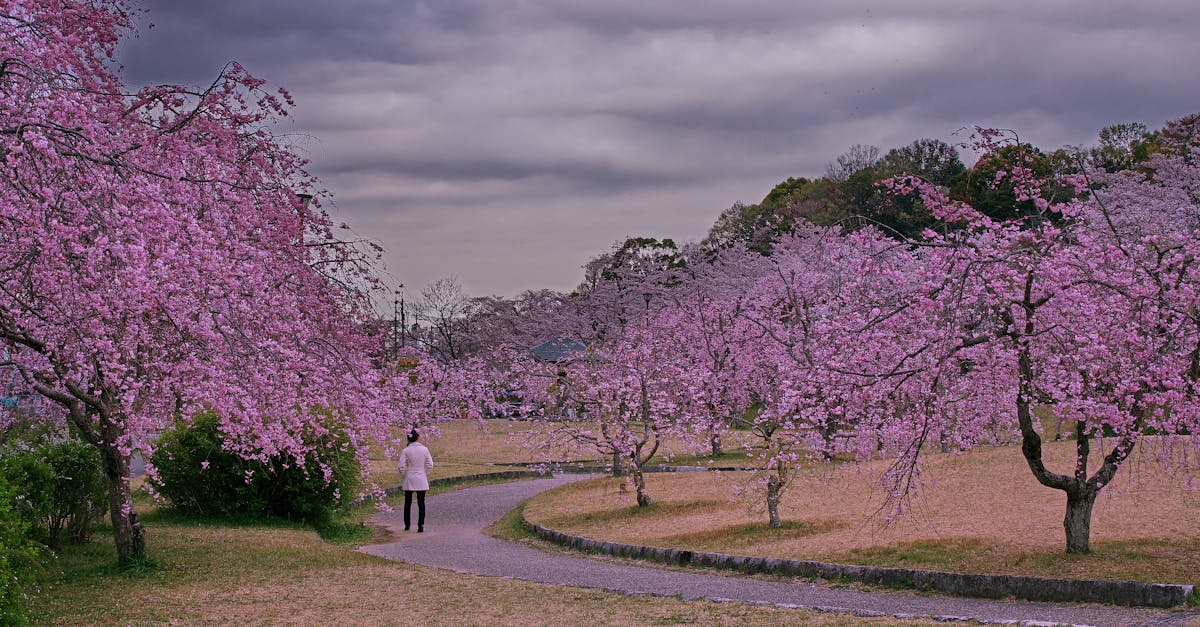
(413,436)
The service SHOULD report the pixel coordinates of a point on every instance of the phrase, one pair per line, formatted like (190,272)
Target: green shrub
(197,475)
(31,480)
(80,495)
(57,486)
(17,557)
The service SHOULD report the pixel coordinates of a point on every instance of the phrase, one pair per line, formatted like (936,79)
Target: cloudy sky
(507,142)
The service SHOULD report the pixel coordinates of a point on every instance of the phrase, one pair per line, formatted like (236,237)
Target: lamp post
(397,323)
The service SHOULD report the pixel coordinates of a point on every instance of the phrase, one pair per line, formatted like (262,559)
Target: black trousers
(420,508)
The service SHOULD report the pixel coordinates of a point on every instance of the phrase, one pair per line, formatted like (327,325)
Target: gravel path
(454,540)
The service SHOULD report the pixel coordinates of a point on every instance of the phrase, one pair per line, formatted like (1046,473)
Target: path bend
(454,539)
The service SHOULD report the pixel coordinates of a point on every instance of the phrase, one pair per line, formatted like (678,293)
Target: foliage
(61,487)
(17,557)
(161,256)
(966,300)
(1123,146)
(80,494)
(850,195)
(790,203)
(196,472)
(1072,302)
(31,478)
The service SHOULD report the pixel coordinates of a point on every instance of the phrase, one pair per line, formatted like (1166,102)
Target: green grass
(85,583)
(734,457)
(1135,560)
(933,554)
(511,527)
(438,489)
(656,508)
(348,525)
(734,536)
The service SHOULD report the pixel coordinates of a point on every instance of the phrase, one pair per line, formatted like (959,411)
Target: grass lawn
(983,513)
(465,447)
(460,447)
(225,573)
(978,512)
(278,574)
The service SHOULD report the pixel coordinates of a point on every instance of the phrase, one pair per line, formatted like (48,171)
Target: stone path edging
(1129,593)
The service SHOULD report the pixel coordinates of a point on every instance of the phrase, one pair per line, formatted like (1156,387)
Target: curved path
(454,540)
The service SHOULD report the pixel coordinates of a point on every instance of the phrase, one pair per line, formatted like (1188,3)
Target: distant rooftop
(558,349)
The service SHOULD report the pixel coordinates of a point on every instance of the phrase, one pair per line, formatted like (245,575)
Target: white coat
(415,461)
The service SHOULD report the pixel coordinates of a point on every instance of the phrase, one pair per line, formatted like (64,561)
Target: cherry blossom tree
(1089,307)
(703,323)
(817,321)
(155,260)
(516,324)
(630,398)
(616,399)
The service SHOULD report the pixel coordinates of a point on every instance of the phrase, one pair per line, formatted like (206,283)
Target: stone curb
(607,470)
(508,474)
(589,468)
(1130,593)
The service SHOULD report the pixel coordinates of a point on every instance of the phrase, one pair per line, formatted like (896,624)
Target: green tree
(1122,146)
(995,197)
(904,216)
(760,225)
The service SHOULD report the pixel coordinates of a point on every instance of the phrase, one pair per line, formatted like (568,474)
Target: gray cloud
(508,142)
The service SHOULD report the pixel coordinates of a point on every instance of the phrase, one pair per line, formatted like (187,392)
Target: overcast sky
(507,142)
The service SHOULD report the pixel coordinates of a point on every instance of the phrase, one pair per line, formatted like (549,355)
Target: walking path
(454,540)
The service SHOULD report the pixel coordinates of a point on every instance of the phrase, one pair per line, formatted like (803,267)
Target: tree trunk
(773,496)
(715,442)
(54,529)
(127,532)
(79,523)
(639,484)
(1078,521)
(618,469)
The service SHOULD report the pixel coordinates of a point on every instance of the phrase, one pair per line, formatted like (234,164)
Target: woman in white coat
(415,461)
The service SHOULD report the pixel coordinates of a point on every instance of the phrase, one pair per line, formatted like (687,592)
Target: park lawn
(979,512)
(465,447)
(268,575)
(385,473)
(470,443)
(458,447)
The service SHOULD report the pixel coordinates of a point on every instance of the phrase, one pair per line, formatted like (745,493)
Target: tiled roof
(558,349)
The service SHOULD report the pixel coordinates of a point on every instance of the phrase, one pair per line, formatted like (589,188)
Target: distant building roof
(558,349)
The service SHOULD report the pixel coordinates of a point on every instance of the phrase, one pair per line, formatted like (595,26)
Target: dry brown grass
(256,576)
(460,447)
(213,574)
(979,512)
(465,447)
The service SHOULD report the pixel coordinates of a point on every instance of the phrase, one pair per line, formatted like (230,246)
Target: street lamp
(397,314)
